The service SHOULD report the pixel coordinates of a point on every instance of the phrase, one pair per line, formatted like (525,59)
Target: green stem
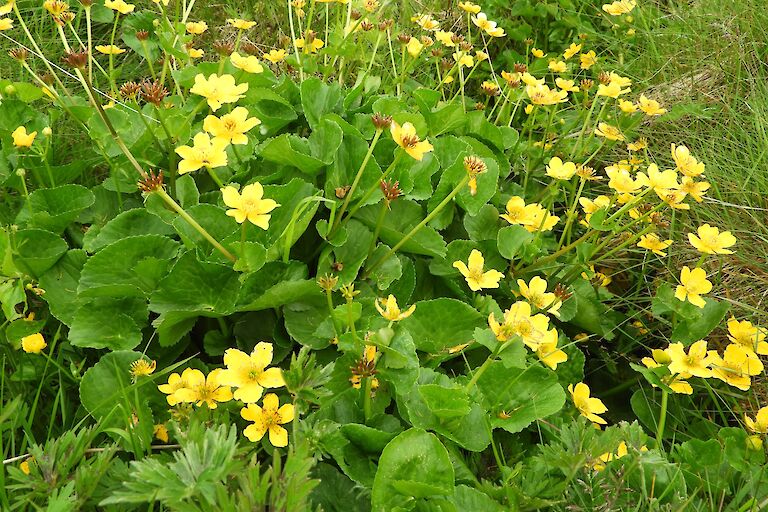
(356,181)
(329,300)
(662,419)
(584,127)
(571,213)
(214,177)
(192,222)
(379,223)
(374,188)
(367,388)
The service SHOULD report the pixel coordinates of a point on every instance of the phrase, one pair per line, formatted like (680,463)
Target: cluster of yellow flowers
(249,375)
(738,363)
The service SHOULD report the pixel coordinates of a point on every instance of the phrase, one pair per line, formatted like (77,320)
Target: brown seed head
(479,105)
(490,89)
(446,64)
(355,14)
(403,38)
(587,173)
(465,47)
(142,35)
(327,282)
(341,192)
(77,60)
(151,182)
(519,67)
(457,39)
(604,78)
(366,25)
(562,292)
(153,92)
(586,84)
(224,48)
(19,54)
(64,18)
(130,90)
(250,49)
(391,190)
(437,52)
(380,121)
(474,166)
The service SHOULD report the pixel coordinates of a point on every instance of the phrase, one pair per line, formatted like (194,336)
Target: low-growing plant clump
(376,262)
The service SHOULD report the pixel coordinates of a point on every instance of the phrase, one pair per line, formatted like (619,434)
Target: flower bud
(47,131)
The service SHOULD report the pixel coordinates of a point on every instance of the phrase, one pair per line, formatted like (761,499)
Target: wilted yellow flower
(711,240)
(391,311)
(619,7)
(759,425)
(557,66)
(473,273)
(571,51)
(608,131)
(250,204)
(120,6)
(33,344)
(142,367)
(218,89)
(650,107)
(589,407)
(560,170)
(737,366)
(588,59)
(231,127)
(693,285)
(196,27)
(205,152)
(249,64)
(22,139)
(653,243)
(248,373)
(748,336)
(695,363)
(405,136)
(268,419)
(109,49)
(241,24)
(204,390)
(547,351)
(275,56)
(535,292)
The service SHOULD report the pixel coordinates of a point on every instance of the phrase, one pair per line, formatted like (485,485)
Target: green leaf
(251,257)
(95,327)
(388,271)
(214,220)
(129,223)
(523,395)
(318,99)
(442,323)
(445,402)
(56,208)
(60,285)
(11,294)
(399,221)
(129,267)
(36,250)
(512,239)
(413,465)
(291,150)
(690,330)
(484,225)
(186,191)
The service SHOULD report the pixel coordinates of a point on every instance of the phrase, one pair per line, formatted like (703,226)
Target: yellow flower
(426,22)
(518,321)
(405,136)
(685,162)
(736,366)
(120,6)
(571,51)
(313,47)
(414,47)
(231,127)
(548,353)
(109,49)
(619,7)
(469,7)
(537,53)
(175,383)
(249,204)
(446,38)
(7,7)
(650,107)
(21,139)
(653,243)
(202,389)
(759,425)
(205,152)
(194,53)
(24,465)
(218,89)
(482,22)
(275,56)
(693,285)
(164,2)
(196,27)
(612,90)
(695,363)
(473,273)
(464,59)
(695,189)
(627,106)
(249,373)
(711,240)
(33,344)
(241,24)
(391,311)
(529,79)
(536,293)
(160,432)
(560,170)
(541,94)
(588,59)
(588,407)
(532,217)
(608,131)
(621,180)
(481,56)
(590,207)
(142,368)
(558,66)
(268,419)
(639,144)
(748,336)
(566,85)
(249,64)
(619,80)
(6,24)
(659,181)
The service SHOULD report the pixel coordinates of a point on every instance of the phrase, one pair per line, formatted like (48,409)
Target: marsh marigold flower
(621,181)
(109,49)
(588,407)
(405,136)
(160,432)
(560,170)
(249,204)
(695,189)
(241,24)
(541,94)
(685,162)
(693,285)
(231,127)
(463,59)
(736,366)
(695,363)
(196,27)
(275,56)
(120,6)
(473,273)
(248,373)
(312,47)
(7,7)
(469,7)
(391,311)
(142,368)
(414,47)
(608,131)
(33,344)
(759,425)
(535,292)
(547,351)
(612,90)
(518,321)
(175,383)
(711,241)
(653,243)
(6,24)
(650,107)
(748,336)
(571,51)
(619,7)
(627,106)
(659,181)
(218,89)
(205,152)
(249,64)
(205,390)
(588,59)
(268,418)
(22,139)
(566,85)
(557,66)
